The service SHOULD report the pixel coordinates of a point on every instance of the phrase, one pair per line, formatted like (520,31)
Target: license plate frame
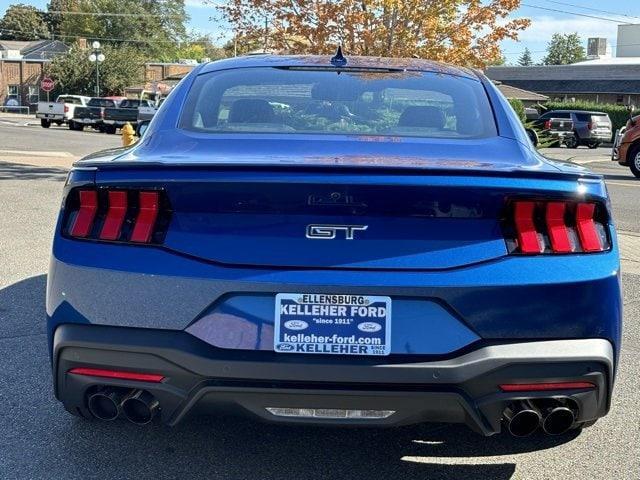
(338,324)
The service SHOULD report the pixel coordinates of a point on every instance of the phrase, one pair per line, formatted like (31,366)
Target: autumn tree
(466,32)
(564,49)
(23,22)
(525,59)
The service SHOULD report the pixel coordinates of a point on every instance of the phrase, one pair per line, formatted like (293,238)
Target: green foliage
(74,73)
(154,26)
(518,107)
(618,113)
(525,59)
(23,22)
(564,49)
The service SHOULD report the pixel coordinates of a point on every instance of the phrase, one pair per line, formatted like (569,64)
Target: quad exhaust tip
(137,406)
(522,418)
(140,407)
(559,420)
(105,404)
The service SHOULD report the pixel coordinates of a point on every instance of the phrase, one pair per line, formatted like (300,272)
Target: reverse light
(117,215)
(543,387)
(117,374)
(556,227)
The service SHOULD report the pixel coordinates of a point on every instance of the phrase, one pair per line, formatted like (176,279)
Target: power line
(108,14)
(555,10)
(608,12)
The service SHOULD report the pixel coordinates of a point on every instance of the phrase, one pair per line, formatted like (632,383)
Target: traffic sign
(47,84)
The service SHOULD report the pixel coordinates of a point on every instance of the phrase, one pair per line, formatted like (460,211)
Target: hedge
(518,107)
(618,113)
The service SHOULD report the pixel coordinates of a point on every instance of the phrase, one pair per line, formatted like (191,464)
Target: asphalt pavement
(39,440)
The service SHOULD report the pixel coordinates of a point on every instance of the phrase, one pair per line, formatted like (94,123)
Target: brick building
(21,66)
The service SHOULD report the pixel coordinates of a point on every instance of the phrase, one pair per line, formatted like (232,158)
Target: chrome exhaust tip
(522,418)
(105,404)
(140,407)
(559,420)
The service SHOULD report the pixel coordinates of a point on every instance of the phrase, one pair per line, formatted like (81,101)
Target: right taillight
(535,227)
(547,125)
(117,215)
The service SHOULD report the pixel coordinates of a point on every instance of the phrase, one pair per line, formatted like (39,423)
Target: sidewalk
(19,118)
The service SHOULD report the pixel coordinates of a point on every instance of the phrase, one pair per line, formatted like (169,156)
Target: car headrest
(422,116)
(251,110)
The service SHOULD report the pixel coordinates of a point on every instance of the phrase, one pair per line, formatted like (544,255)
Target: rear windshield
(275,100)
(101,102)
(73,100)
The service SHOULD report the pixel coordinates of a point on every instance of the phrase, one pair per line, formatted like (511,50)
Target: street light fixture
(97,57)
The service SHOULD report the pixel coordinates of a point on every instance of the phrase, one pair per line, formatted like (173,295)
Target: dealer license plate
(332,324)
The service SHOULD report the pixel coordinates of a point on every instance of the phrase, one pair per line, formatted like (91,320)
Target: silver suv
(589,128)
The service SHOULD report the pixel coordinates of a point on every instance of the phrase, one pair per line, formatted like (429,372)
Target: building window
(620,99)
(14,91)
(34,94)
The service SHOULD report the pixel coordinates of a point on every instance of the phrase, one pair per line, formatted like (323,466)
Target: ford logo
(285,347)
(369,327)
(296,324)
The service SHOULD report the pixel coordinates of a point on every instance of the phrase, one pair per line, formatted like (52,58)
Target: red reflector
(525,228)
(589,238)
(99,372)
(87,212)
(558,232)
(147,216)
(538,387)
(115,216)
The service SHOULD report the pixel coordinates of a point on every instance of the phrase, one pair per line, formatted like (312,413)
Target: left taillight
(117,215)
(534,227)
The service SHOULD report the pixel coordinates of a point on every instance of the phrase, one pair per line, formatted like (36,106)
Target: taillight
(554,227)
(590,125)
(66,109)
(102,113)
(118,215)
(547,125)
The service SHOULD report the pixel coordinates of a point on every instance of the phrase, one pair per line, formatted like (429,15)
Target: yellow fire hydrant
(128,133)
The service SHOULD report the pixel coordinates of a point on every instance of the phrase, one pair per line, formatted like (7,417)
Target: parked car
(364,256)
(93,114)
(560,129)
(146,112)
(60,111)
(626,146)
(590,128)
(125,112)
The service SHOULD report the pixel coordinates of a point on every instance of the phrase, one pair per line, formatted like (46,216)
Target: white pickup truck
(60,111)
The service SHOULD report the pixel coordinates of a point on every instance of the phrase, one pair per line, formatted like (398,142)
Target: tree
(155,26)
(23,22)
(525,59)
(123,67)
(53,18)
(564,49)
(466,32)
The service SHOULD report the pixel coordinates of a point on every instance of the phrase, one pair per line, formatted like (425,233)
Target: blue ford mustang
(309,239)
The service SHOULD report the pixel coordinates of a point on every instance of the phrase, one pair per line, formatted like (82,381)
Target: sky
(590,18)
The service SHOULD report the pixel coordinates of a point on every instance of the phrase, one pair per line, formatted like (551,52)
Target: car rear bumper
(199,378)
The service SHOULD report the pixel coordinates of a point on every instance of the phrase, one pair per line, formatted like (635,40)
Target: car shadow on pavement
(19,171)
(608,176)
(47,442)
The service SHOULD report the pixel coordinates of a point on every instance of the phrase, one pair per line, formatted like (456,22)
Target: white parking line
(636,184)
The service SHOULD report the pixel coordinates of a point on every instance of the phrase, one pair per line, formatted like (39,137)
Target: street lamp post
(97,56)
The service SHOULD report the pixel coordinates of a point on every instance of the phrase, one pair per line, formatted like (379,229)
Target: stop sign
(47,84)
